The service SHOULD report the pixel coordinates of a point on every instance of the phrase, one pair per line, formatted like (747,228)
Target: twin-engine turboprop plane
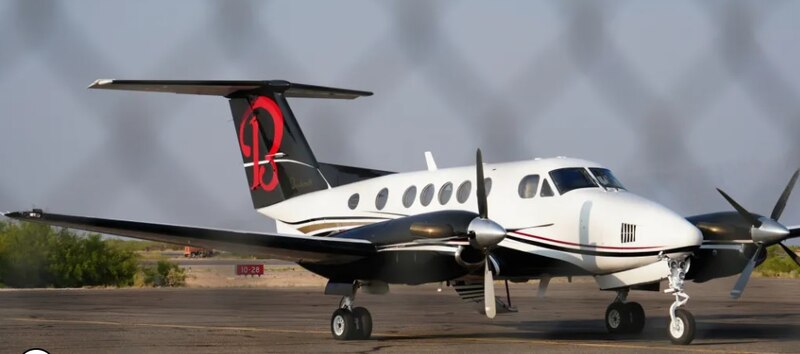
(364,229)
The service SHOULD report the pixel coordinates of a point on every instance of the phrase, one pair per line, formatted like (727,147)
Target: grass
(778,264)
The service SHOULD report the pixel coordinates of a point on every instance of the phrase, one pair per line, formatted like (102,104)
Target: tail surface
(278,161)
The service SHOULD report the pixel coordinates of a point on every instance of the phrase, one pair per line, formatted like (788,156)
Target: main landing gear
(624,317)
(348,322)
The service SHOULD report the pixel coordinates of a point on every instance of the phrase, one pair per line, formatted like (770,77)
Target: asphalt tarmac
(409,319)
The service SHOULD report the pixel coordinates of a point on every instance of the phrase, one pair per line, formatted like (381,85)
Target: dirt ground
(275,276)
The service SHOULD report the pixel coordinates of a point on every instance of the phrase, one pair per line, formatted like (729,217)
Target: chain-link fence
(676,97)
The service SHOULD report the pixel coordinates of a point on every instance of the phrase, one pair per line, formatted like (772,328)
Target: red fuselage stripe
(580,245)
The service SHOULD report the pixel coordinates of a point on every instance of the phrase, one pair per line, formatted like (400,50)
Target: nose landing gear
(681,324)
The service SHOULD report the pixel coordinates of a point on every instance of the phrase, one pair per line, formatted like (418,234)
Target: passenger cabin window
(445,193)
(487,182)
(426,196)
(381,198)
(409,195)
(352,203)
(546,190)
(606,178)
(527,186)
(464,191)
(571,178)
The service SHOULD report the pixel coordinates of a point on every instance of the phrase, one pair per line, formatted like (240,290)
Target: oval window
(488,183)
(426,196)
(409,195)
(464,191)
(381,198)
(352,203)
(528,186)
(445,192)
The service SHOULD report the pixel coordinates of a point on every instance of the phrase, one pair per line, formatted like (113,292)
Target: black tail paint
(277,159)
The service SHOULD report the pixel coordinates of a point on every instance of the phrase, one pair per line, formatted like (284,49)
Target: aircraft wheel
(617,318)
(635,316)
(343,326)
(681,331)
(363,322)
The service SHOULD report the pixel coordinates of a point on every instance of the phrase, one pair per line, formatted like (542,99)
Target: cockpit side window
(546,190)
(606,178)
(571,178)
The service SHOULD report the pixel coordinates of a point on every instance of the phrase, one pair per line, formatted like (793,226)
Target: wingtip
(34,213)
(100,82)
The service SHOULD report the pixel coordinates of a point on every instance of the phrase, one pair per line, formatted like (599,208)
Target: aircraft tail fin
(278,161)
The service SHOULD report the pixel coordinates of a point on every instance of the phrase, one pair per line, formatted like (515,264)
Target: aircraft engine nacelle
(469,257)
(708,264)
(726,258)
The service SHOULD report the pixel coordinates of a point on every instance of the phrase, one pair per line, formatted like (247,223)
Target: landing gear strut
(624,317)
(681,325)
(348,322)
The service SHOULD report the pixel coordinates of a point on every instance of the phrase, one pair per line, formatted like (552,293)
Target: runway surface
(409,319)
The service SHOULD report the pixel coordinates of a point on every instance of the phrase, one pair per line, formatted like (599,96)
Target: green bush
(164,273)
(778,264)
(141,246)
(35,255)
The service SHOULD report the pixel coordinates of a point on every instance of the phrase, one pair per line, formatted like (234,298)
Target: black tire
(343,327)
(636,317)
(617,318)
(363,321)
(683,334)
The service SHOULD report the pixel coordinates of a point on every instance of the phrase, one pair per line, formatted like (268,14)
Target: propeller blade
(483,206)
(778,210)
(489,303)
(742,211)
(745,276)
(791,254)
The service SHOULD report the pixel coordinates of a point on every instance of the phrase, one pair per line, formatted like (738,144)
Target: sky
(677,97)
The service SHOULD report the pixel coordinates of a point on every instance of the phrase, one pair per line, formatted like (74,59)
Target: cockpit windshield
(567,179)
(606,178)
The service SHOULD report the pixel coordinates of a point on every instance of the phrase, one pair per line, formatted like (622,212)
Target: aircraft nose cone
(684,233)
(693,236)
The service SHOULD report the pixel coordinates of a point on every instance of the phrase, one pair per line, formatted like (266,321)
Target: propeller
(764,232)
(485,234)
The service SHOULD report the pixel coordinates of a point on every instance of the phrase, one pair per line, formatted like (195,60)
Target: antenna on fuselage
(429,161)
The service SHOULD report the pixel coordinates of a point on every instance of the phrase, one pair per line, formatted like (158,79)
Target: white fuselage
(602,230)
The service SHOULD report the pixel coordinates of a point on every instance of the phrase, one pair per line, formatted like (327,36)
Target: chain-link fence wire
(575,90)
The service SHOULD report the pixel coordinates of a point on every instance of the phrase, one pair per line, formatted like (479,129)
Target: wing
(293,248)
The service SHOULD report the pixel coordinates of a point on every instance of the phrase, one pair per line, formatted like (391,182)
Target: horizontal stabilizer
(229,88)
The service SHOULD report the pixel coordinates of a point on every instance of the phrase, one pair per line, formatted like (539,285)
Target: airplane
(366,229)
